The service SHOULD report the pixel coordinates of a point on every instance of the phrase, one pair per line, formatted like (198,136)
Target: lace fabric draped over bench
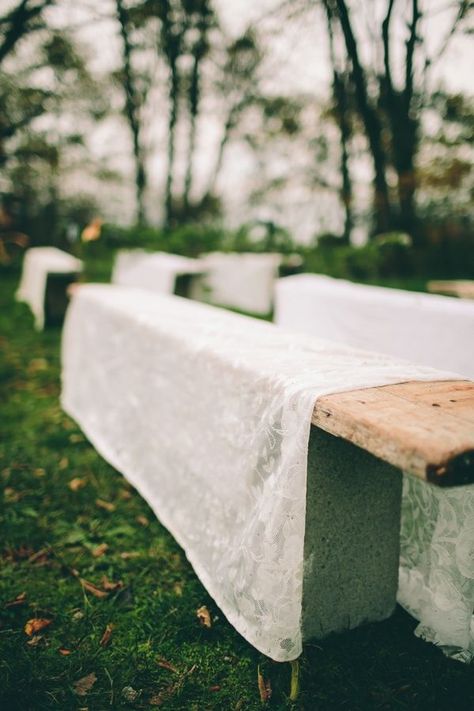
(436,582)
(154,271)
(208,414)
(38,262)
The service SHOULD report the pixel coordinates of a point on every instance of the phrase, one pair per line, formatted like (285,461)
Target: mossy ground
(50,538)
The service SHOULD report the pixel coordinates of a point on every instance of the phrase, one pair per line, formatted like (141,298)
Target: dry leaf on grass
(143,521)
(41,557)
(39,472)
(105,639)
(63,463)
(77,483)
(93,589)
(204,616)
(36,639)
(99,550)
(127,555)
(36,625)
(10,495)
(109,585)
(18,600)
(216,687)
(64,652)
(165,664)
(105,505)
(264,687)
(125,494)
(82,686)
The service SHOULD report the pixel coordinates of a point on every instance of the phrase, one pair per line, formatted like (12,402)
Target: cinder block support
(352,537)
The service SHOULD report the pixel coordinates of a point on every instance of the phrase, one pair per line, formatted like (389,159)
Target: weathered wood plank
(424,428)
(463,288)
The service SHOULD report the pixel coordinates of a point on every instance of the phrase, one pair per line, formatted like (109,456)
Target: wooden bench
(47,275)
(423,428)
(360,441)
(462,288)
(158,272)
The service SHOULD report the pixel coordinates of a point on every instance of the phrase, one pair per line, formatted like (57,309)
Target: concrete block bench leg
(352,537)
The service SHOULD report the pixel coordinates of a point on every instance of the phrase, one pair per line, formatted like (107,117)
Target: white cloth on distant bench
(433,330)
(208,414)
(154,271)
(38,262)
(436,583)
(241,281)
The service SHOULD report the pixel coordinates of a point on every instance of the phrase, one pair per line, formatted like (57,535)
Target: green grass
(49,534)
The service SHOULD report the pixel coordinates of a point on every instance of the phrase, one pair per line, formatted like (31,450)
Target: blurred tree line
(176,55)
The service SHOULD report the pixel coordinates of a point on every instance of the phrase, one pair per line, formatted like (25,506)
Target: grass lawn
(81,549)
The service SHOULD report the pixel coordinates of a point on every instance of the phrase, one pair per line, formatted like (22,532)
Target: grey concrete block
(352,537)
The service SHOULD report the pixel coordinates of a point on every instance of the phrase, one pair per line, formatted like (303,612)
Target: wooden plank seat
(401,424)
(174,394)
(462,288)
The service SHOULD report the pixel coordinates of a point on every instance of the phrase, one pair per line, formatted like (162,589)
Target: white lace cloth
(154,271)
(242,281)
(38,262)
(208,414)
(436,583)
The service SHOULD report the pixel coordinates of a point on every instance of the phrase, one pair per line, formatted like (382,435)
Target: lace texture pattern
(208,414)
(437,564)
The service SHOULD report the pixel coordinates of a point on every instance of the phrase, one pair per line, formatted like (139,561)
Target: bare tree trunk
(404,123)
(370,119)
(341,109)
(172,121)
(194,96)
(132,103)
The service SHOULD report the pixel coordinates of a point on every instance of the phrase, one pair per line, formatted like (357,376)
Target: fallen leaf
(63,463)
(142,520)
(36,625)
(106,505)
(75,438)
(35,640)
(11,496)
(165,664)
(93,589)
(37,364)
(130,554)
(216,687)
(40,472)
(110,585)
(77,483)
(125,494)
(65,652)
(204,616)
(18,600)
(78,615)
(264,687)
(99,550)
(178,589)
(41,557)
(82,686)
(105,639)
